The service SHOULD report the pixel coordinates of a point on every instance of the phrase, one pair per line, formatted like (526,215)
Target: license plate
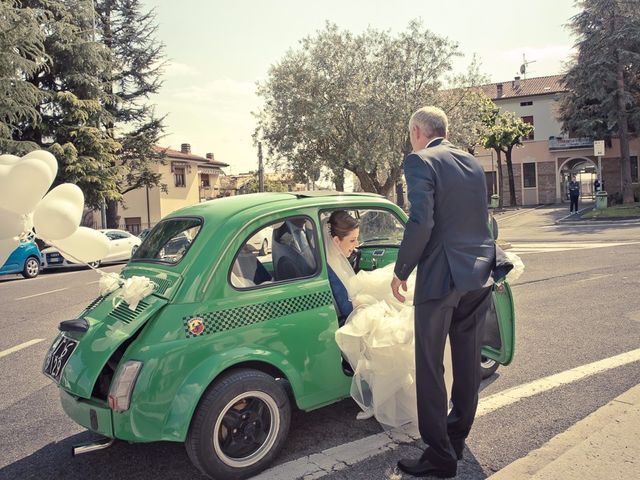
(59,356)
(55,260)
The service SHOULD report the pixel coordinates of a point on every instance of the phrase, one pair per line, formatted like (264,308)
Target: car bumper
(91,414)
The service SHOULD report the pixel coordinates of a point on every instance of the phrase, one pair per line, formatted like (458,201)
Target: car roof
(253,205)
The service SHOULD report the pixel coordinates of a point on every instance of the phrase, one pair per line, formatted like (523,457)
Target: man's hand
(396,284)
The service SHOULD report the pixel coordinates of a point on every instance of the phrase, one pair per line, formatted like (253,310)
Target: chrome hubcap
(487,362)
(32,267)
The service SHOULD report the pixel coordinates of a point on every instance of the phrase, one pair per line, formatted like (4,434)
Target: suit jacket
(447,236)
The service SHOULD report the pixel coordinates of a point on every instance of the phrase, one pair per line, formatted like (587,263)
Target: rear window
(169,241)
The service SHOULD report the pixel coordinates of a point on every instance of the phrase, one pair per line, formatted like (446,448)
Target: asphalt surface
(573,307)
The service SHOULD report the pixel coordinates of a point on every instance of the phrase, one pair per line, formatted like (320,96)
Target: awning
(210,171)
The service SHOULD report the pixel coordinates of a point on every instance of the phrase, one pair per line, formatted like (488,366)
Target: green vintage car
(232,336)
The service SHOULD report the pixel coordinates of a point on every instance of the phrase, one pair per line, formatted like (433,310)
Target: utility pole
(260,169)
(103,206)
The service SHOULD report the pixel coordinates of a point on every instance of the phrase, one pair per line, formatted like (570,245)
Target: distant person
(596,186)
(574,195)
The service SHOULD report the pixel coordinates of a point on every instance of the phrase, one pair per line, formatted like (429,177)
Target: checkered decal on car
(251,314)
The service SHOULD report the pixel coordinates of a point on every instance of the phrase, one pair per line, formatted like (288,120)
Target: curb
(541,463)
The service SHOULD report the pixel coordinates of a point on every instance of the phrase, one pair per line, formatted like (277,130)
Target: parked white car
(122,244)
(261,241)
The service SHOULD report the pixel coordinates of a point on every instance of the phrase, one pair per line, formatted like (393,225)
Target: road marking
(506,216)
(11,350)
(596,277)
(547,247)
(338,458)
(43,293)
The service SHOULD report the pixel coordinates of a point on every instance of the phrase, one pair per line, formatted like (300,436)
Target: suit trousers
(462,316)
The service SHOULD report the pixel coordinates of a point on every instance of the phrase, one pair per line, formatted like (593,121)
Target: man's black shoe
(422,467)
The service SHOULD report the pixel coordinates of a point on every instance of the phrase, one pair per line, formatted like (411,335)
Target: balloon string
(94,268)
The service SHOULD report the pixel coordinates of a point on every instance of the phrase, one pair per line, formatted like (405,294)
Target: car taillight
(122,386)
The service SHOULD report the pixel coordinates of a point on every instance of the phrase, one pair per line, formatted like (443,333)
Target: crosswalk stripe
(533,247)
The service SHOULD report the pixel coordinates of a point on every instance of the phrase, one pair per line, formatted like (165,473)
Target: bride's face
(348,243)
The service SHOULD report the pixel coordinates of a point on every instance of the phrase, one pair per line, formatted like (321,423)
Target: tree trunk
(338,179)
(366,182)
(113,219)
(500,183)
(623,127)
(512,183)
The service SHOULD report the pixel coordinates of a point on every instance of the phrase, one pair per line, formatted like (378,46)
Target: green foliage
(135,67)
(21,54)
(503,132)
(269,186)
(82,92)
(603,78)
(342,101)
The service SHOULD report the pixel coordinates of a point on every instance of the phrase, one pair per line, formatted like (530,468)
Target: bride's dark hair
(341,224)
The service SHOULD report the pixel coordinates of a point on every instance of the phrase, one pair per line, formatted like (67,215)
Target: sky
(217,51)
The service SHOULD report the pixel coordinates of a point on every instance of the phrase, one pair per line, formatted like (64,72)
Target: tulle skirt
(378,341)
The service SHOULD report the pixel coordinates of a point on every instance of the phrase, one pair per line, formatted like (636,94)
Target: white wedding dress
(378,341)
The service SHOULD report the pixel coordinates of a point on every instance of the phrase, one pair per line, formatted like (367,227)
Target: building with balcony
(543,166)
(189,179)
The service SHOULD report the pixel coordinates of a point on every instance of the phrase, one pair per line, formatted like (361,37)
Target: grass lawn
(630,210)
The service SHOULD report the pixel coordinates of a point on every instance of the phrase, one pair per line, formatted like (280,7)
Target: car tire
(488,367)
(240,425)
(95,264)
(264,247)
(31,267)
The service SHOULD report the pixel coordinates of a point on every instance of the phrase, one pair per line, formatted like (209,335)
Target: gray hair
(432,120)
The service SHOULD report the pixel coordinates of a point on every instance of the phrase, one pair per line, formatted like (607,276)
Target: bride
(377,337)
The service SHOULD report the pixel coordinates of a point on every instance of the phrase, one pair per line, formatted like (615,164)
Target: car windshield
(169,241)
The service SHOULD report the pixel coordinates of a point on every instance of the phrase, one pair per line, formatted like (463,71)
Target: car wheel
(95,264)
(239,426)
(488,366)
(264,248)
(31,267)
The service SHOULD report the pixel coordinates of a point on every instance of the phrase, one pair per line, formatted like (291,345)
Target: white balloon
(7,159)
(84,245)
(24,184)
(11,223)
(59,213)
(7,245)
(47,158)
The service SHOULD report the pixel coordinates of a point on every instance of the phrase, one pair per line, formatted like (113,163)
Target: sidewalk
(604,445)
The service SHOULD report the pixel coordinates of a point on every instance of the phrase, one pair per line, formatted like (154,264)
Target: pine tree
(72,91)
(128,31)
(603,78)
(21,54)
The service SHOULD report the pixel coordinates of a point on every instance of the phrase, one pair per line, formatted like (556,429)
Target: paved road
(575,306)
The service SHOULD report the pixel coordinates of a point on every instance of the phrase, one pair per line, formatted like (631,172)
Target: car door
(381,232)
(114,246)
(280,305)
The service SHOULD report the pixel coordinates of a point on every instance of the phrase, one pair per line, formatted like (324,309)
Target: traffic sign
(598,148)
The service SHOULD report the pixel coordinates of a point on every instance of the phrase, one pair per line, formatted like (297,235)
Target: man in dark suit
(448,239)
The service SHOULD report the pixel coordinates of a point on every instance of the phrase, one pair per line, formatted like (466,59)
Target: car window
(377,227)
(169,241)
(116,235)
(281,251)
(380,227)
